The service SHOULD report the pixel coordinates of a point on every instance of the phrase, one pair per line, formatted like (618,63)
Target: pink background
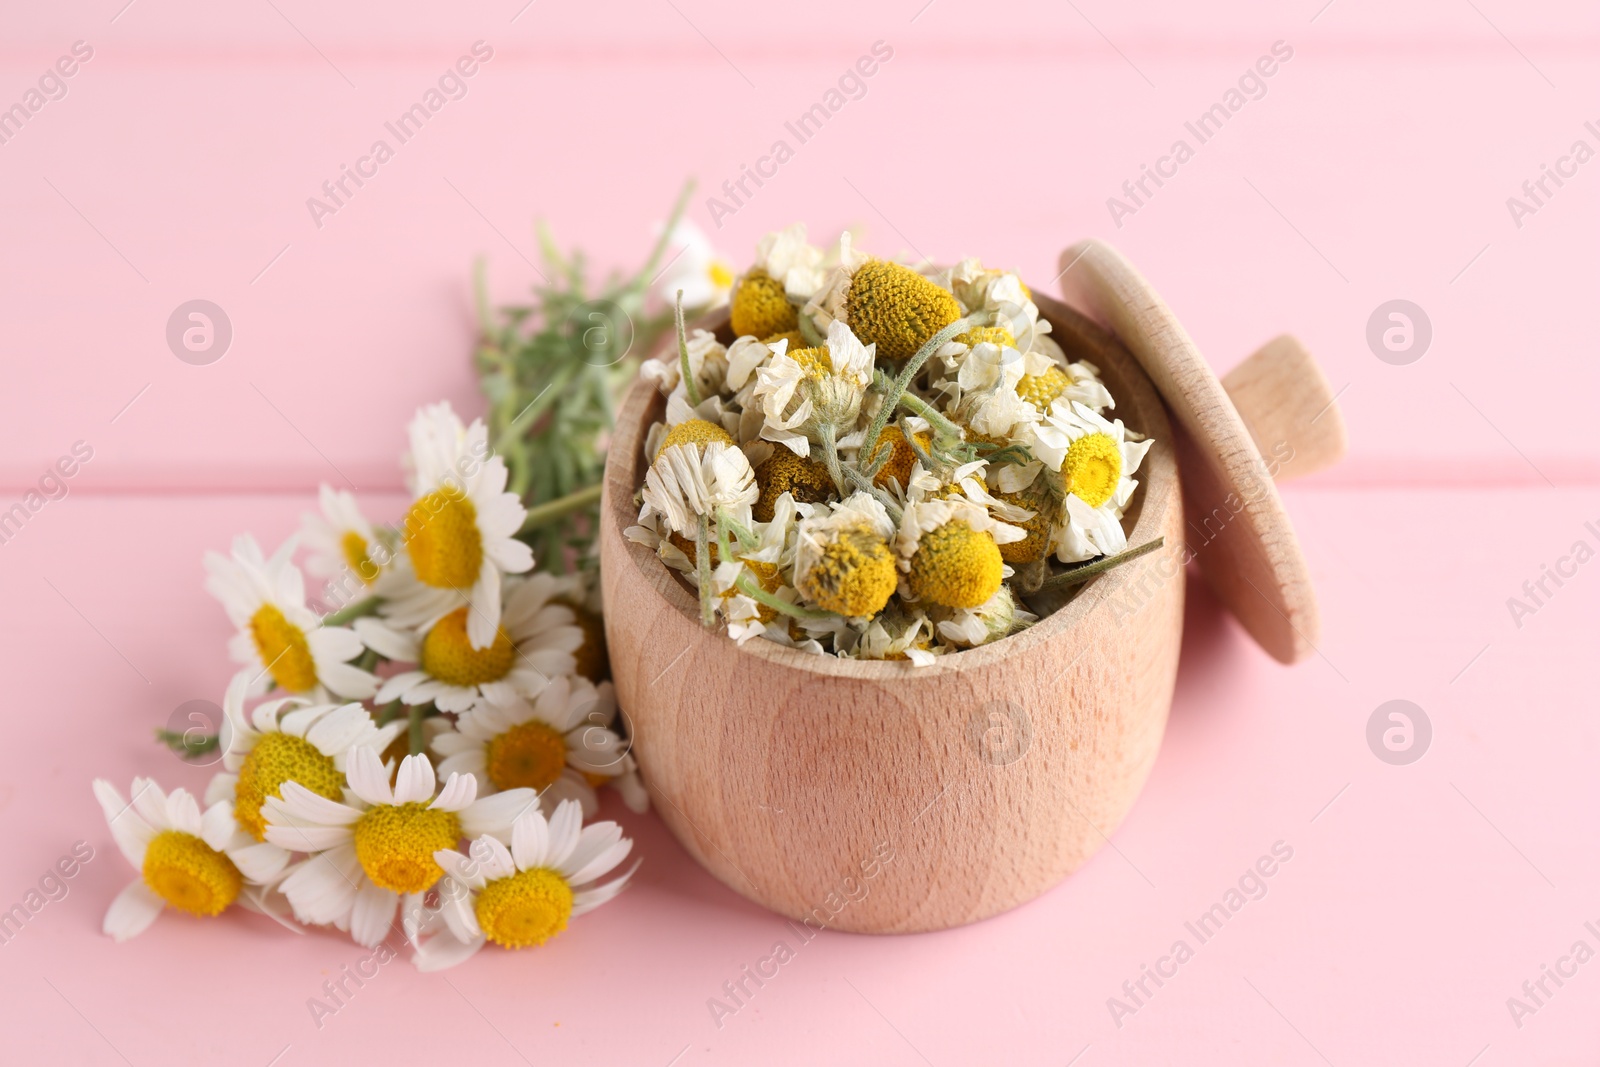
(1419,898)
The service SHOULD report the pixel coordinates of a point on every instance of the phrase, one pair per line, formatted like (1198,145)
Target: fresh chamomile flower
(523,896)
(279,637)
(995,618)
(459,533)
(183,855)
(704,277)
(282,741)
(538,639)
(949,549)
(341,540)
(843,562)
(377,846)
(813,395)
(560,745)
(1092,463)
(688,481)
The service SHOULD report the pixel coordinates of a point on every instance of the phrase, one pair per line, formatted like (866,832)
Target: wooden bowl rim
(1159,489)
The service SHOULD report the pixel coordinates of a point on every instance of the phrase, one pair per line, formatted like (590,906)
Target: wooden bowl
(881,797)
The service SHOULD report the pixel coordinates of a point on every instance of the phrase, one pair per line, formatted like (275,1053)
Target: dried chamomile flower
(813,395)
(803,478)
(995,618)
(760,307)
(843,562)
(688,482)
(896,308)
(949,549)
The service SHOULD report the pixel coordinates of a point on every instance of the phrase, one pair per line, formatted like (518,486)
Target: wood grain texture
(1283,397)
(1237,529)
(989,776)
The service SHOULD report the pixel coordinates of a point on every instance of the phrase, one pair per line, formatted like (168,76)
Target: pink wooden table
(1375,165)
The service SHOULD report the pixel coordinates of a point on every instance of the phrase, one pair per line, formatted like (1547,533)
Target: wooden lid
(1272,417)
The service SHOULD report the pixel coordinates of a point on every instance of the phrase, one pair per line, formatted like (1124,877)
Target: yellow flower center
(275,759)
(448,655)
(896,308)
(815,362)
(189,874)
(355,554)
(795,338)
(1036,498)
(1092,468)
(1041,389)
(694,432)
(282,647)
(994,335)
(901,457)
(530,755)
(441,531)
(396,842)
(529,908)
(855,575)
(720,274)
(800,476)
(760,307)
(956,566)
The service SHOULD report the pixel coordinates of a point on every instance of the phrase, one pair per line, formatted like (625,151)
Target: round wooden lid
(1273,417)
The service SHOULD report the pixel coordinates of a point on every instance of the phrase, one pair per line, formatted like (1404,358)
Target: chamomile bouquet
(421,744)
(885,461)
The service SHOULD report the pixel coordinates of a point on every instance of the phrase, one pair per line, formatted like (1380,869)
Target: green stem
(830,456)
(936,418)
(747,585)
(897,387)
(808,330)
(350,612)
(1079,575)
(551,510)
(387,713)
(418,713)
(863,483)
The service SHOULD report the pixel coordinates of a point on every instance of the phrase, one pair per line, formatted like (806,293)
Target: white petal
(571,788)
(368,780)
(298,838)
(493,815)
(131,833)
(530,839)
(386,641)
(183,812)
(299,805)
(415,782)
(135,908)
(352,683)
(323,888)
(373,914)
(493,859)
(217,825)
(339,729)
(483,615)
(459,791)
(586,900)
(593,841)
(564,827)
(461,868)
(602,864)
(260,863)
(221,787)
(445,951)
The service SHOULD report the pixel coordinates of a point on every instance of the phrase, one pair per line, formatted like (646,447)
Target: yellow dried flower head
(760,307)
(901,457)
(896,308)
(795,338)
(854,576)
(1092,468)
(784,472)
(816,362)
(686,546)
(1036,498)
(1040,389)
(956,566)
(994,335)
(694,432)
(770,578)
